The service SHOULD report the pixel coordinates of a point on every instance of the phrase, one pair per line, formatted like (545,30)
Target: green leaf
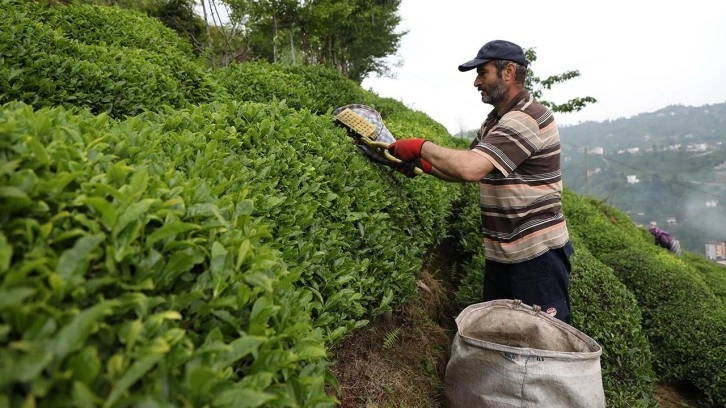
(139,183)
(309,351)
(24,368)
(85,366)
(73,335)
(38,151)
(14,197)
(105,208)
(242,398)
(169,230)
(260,280)
(241,348)
(262,310)
(136,371)
(244,249)
(9,167)
(83,397)
(14,297)
(76,259)
(134,212)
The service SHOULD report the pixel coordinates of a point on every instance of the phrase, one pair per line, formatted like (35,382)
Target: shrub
(669,291)
(113,27)
(211,252)
(126,280)
(603,308)
(43,68)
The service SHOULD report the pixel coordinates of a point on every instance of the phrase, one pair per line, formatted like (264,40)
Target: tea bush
(41,67)
(670,293)
(110,26)
(127,280)
(164,244)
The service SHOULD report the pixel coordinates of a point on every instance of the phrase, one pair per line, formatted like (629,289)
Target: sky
(633,56)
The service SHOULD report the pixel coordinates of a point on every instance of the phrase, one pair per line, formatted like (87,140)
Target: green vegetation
(175,235)
(676,180)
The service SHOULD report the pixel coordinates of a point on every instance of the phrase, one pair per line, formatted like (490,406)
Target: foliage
(712,273)
(353,37)
(538,86)
(603,308)
(211,255)
(122,269)
(112,26)
(43,67)
(669,292)
(673,182)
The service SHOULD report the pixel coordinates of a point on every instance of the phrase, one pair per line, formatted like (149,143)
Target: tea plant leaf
(134,373)
(73,335)
(6,253)
(10,298)
(168,230)
(25,367)
(244,250)
(242,398)
(12,198)
(105,208)
(76,259)
(134,212)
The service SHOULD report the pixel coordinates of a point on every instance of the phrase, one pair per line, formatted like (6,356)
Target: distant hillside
(667,166)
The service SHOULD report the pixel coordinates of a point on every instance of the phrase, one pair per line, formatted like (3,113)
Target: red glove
(407,149)
(408,168)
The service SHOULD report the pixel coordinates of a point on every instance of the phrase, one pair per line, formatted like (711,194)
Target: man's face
(490,84)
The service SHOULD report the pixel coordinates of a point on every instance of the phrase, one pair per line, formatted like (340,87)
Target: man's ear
(508,72)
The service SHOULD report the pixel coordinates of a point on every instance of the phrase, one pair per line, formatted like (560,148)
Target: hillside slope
(177,235)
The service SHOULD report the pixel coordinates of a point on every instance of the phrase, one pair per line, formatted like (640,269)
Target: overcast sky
(633,56)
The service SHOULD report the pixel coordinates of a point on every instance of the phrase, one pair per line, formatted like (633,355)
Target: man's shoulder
(533,109)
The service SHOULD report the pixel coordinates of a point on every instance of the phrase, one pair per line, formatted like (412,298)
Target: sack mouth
(514,327)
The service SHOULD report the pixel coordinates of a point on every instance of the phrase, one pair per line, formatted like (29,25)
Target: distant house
(597,150)
(632,179)
(697,147)
(716,250)
(711,203)
(671,221)
(634,150)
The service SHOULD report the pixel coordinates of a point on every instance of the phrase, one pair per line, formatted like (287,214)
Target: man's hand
(407,149)
(409,168)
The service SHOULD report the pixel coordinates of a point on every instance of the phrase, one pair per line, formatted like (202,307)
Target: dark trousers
(543,281)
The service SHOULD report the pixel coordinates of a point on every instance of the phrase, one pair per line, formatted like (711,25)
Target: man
(515,157)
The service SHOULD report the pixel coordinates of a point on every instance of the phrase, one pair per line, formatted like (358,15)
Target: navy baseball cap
(496,50)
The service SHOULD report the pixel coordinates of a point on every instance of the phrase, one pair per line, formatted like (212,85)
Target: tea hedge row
(682,317)
(213,252)
(109,26)
(43,67)
(125,282)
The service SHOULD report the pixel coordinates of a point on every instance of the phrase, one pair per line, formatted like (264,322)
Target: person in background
(665,240)
(515,158)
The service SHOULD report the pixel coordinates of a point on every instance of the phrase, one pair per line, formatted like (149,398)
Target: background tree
(537,86)
(353,37)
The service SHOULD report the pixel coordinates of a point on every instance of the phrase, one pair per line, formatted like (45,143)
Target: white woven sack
(507,354)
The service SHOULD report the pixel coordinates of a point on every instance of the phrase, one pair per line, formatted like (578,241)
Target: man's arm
(456,165)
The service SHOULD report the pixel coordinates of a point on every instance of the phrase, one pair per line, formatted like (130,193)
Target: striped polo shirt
(521,198)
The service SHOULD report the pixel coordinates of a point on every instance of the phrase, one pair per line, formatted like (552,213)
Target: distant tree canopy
(353,37)
(538,85)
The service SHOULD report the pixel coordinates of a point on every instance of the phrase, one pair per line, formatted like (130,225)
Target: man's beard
(495,94)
